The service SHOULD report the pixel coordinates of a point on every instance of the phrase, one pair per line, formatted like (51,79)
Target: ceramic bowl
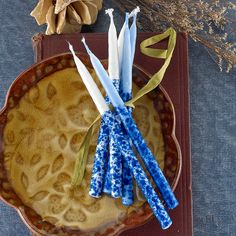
(172,159)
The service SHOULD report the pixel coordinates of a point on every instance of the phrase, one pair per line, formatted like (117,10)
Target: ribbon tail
(82,157)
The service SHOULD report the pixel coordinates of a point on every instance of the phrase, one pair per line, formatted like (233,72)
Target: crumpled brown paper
(66,16)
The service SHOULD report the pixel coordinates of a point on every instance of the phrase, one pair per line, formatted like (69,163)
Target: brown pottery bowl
(172,159)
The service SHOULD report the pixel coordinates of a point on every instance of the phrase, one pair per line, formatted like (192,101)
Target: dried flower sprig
(206,22)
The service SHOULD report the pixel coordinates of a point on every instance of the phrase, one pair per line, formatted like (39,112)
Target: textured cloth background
(213,121)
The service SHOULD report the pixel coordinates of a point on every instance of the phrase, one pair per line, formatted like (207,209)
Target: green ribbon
(81,159)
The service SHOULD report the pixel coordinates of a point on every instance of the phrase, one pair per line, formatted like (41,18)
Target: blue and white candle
(129,38)
(134,133)
(126,68)
(127,52)
(113,181)
(133,32)
(100,162)
(90,84)
(121,44)
(100,159)
(101,72)
(113,60)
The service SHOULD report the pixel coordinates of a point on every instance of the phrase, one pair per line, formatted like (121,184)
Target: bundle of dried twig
(207,22)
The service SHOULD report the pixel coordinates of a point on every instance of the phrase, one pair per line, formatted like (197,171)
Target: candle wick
(134,12)
(83,40)
(109,12)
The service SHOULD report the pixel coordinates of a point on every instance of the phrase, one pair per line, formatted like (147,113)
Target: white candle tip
(71,48)
(69,44)
(85,45)
(83,40)
(109,12)
(134,12)
(89,83)
(127,19)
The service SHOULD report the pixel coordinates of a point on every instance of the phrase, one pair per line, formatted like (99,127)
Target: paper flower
(66,16)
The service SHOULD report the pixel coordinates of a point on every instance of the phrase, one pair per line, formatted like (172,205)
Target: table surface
(213,121)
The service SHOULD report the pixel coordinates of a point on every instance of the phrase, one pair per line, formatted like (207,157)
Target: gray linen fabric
(213,121)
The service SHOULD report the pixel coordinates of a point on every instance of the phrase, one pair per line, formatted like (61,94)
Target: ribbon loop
(156,78)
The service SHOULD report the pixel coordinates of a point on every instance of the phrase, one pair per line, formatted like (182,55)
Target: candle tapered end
(109,12)
(85,45)
(134,12)
(71,48)
(83,40)
(127,19)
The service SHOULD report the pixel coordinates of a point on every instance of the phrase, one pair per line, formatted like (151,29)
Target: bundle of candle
(115,161)
(118,178)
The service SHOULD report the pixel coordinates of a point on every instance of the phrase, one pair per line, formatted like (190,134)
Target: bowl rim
(21,211)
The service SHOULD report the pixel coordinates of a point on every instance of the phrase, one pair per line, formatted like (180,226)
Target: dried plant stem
(205,22)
